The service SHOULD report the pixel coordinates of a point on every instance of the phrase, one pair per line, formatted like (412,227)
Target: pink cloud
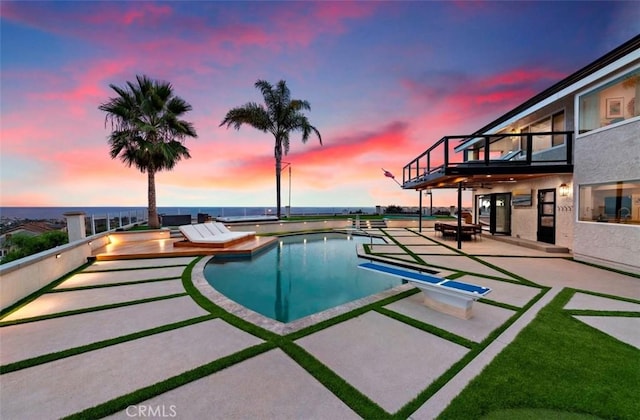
(476,97)
(144,13)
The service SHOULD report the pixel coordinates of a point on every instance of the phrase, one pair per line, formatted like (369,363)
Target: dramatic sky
(385,80)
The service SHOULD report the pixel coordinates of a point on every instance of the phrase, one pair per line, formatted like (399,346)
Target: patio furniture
(175,219)
(203,217)
(467,231)
(211,235)
(451,297)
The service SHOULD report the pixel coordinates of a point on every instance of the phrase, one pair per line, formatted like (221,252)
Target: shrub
(23,245)
(393,209)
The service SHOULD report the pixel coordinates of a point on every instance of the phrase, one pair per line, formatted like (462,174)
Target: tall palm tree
(279,116)
(147,131)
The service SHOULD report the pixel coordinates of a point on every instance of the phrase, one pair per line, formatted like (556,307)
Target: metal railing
(536,148)
(98,223)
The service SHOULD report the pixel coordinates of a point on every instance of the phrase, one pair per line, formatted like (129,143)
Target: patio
(125,335)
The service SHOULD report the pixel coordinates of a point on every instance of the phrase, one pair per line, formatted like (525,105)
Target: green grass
(333,217)
(33,296)
(560,364)
(557,368)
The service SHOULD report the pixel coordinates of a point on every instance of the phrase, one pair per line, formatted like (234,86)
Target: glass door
(547,216)
(494,212)
(502,213)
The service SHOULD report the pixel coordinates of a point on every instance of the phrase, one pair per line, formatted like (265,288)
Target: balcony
(476,160)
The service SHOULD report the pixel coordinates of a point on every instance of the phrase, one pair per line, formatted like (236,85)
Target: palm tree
(147,131)
(279,116)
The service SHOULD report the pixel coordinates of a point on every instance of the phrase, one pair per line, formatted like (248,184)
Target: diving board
(452,297)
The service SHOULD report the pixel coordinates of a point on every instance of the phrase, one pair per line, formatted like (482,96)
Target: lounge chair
(211,235)
(451,297)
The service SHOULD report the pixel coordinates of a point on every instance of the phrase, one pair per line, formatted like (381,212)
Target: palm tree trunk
(154,223)
(278,156)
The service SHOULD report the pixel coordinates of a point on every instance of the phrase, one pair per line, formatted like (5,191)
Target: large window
(611,103)
(615,202)
(554,123)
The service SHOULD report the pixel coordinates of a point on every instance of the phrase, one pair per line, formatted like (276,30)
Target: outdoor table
(467,230)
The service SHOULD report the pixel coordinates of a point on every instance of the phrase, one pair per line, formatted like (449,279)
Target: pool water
(302,275)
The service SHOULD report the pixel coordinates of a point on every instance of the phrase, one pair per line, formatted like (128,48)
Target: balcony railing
(518,152)
(98,223)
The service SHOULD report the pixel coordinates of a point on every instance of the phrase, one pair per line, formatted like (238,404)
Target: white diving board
(452,297)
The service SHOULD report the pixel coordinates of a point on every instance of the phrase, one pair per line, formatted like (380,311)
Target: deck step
(370,224)
(540,246)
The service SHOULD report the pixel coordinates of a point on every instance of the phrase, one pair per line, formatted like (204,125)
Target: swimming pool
(302,275)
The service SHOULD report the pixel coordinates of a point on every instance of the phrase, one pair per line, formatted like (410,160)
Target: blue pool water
(302,275)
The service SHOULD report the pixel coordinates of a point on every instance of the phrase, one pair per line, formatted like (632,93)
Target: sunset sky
(385,80)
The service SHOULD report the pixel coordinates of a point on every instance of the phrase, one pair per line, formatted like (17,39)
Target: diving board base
(449,305)
(451,297)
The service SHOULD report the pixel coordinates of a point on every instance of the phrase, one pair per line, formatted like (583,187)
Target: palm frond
(280,116)
(146,124)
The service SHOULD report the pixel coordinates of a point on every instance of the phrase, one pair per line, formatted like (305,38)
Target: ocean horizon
(57,213)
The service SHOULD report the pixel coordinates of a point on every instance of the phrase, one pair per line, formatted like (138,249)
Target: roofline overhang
(622,56)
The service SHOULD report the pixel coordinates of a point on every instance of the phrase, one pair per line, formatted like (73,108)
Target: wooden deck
(164,248)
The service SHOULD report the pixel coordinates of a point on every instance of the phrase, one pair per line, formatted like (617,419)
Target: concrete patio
(159,333)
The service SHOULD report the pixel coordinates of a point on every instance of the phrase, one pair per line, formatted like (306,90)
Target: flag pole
(390,175)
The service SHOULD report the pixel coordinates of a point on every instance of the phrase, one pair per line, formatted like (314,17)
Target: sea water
(57,213)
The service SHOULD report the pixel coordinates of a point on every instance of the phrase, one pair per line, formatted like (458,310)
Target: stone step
(540,246)
(373,224)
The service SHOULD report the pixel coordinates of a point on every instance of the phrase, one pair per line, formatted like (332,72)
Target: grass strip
(406,411)
(522,280)
(351,396)
(444,334)
(102,286)
(502,279)
(404,248)
(351,314)
(111,270)
(347,393)
(621,298)
(121,403)
(601,267)
(88,310)
(216,310)
(33,296)
(591,312)
(499,304)
(556,363)
(46,358)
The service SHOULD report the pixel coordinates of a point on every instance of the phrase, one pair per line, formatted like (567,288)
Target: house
(29,229)
(562,168)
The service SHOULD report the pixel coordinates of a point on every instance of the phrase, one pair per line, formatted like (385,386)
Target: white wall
(608,155)
(20,278)
(524,220)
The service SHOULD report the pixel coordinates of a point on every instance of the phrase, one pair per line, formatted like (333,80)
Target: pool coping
(200,282)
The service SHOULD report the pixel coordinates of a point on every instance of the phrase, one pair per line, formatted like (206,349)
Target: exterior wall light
(564,190)
(58,256)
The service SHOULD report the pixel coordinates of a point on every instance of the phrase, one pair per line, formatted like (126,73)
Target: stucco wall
(524,220)
(20,278)
(608,155)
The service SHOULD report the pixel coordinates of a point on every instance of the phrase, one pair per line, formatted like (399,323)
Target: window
(611,103)
(541,141)
(614,202)
(557,121)
(554,123)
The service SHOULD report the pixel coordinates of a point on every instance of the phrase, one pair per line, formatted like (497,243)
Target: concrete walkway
(126,325)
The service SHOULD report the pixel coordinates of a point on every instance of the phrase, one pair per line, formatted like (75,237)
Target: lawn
(557,367)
